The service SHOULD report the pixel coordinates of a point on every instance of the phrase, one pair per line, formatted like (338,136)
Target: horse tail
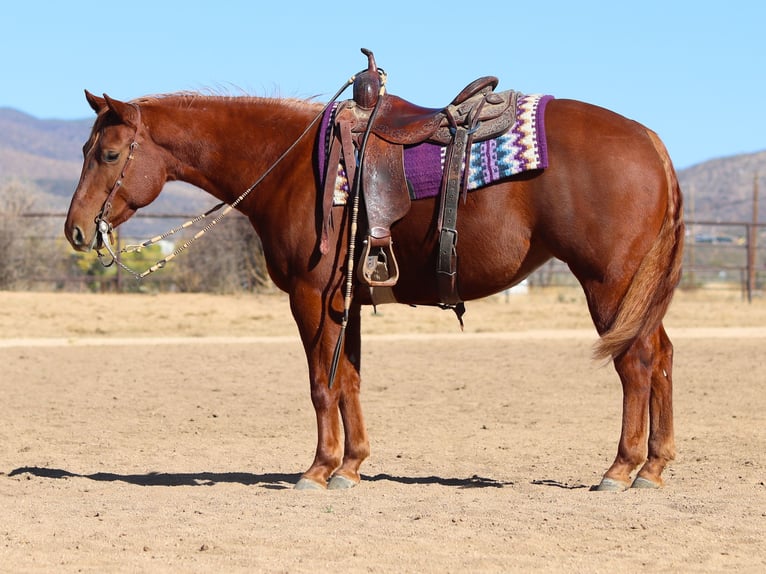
(651,289)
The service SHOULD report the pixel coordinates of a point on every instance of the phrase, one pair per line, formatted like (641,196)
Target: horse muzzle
(80,240)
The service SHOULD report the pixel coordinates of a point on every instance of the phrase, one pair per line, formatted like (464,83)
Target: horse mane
(184,99)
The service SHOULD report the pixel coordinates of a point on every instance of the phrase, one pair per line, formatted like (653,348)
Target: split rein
(105,229)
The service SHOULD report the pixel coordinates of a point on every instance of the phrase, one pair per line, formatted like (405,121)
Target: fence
(230,260)
(721,255)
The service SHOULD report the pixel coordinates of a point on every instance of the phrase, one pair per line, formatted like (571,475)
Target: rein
(105,228)
(356,192)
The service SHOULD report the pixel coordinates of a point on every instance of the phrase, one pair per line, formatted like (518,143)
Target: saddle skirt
(522,148)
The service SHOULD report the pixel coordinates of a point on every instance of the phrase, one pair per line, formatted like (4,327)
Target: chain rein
(105,228)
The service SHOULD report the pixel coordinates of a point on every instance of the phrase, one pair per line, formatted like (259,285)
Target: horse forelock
(102,119)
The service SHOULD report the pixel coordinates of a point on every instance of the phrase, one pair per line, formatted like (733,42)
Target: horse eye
(110,156)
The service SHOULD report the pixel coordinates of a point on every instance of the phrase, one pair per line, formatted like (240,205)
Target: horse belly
(495,248)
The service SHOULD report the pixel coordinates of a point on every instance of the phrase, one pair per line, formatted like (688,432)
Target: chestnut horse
(609,206)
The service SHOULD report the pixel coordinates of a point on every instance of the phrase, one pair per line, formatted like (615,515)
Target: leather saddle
(401,122)
(379,125)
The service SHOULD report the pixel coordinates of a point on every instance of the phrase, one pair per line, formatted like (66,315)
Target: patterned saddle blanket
(522,148)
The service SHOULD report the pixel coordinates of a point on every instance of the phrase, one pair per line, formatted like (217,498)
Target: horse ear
(126,112)
(95,102)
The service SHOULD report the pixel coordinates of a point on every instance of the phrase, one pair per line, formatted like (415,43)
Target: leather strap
(446,264)
(331,177)
(106,208)
(341,143)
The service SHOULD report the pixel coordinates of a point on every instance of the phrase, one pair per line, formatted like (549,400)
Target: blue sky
(692,71)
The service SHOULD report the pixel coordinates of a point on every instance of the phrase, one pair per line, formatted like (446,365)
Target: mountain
(722,189)
(51,139)
(48,153)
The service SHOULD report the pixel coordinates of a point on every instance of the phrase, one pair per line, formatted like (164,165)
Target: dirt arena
(164,433)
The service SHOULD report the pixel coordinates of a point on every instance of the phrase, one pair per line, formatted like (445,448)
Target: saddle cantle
(387,123)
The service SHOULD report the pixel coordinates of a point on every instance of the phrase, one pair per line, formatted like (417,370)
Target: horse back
(605,176)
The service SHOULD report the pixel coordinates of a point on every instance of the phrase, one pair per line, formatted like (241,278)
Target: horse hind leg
(661,438)
(645,370)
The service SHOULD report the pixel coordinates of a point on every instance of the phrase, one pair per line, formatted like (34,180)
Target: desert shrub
(227,259)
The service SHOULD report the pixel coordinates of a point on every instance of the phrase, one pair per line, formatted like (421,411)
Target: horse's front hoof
(339,482)
(642,482)
(611,485)
(308,484)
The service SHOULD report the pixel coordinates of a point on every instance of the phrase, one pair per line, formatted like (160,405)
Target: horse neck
(223,145)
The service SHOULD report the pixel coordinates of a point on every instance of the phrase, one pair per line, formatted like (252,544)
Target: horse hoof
(642,482)
(308,484)
(611,485)
(339,482)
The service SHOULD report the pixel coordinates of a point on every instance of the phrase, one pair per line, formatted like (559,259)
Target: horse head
(123,170)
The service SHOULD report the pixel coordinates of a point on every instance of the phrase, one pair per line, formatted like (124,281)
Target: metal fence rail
(718,254)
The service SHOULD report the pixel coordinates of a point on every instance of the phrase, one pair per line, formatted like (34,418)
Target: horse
(608,205)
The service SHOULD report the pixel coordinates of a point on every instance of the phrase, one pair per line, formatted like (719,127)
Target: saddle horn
(367,83)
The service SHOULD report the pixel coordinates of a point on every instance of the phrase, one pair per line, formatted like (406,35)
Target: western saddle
(375,127)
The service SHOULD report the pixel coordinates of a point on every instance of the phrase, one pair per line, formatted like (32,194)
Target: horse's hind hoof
(611,485)
(308,484)
(642,482)
(339,482)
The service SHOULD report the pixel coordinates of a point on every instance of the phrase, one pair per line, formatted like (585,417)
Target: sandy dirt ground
(163,433)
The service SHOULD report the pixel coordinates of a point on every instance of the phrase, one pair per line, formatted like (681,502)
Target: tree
(23,254)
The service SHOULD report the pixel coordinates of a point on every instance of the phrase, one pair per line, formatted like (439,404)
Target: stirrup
(378,266)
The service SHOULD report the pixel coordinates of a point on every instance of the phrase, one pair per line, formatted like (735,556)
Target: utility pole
(752,241)
(690,248)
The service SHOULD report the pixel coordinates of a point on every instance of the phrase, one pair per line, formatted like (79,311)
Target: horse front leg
(647,418)
(348,379)
(318,322)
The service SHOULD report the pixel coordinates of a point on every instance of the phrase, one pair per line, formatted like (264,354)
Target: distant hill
(44,152)
(49,139)
(48,153)
(722,189)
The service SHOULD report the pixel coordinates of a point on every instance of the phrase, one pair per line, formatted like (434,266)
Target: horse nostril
(78,237)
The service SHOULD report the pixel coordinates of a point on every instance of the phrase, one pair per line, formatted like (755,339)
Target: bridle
(101,221)
(104,228)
